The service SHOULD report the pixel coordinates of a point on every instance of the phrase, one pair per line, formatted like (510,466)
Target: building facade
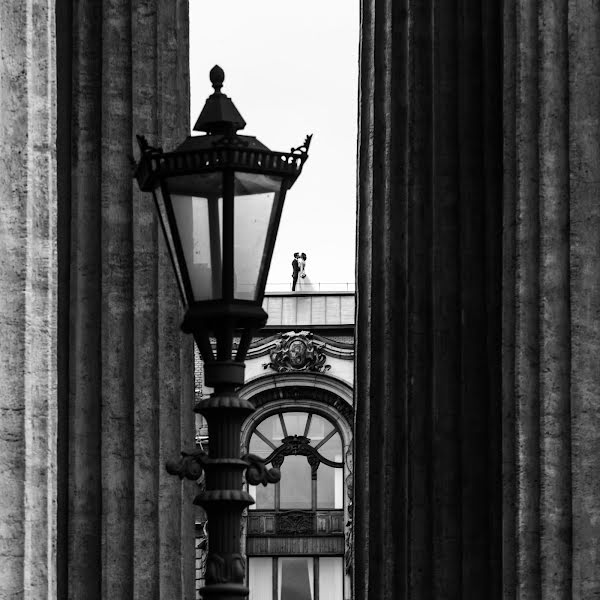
(297,537)
(477,327)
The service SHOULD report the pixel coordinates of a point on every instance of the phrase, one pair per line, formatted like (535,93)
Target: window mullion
(265,439)
(326,438)
(307,426)
(283,427)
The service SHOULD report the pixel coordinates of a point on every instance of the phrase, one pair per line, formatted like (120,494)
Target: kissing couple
(298,270)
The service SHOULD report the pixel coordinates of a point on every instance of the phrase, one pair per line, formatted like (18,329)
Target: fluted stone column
(28,292)
(130,526)
(427,483)
(551,339)
(95,378)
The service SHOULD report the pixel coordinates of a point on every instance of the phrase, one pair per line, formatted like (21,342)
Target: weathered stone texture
(551,300)
(427,447)
(28,271)
(131,368)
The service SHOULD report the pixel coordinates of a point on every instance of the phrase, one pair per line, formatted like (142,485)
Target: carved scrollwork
(258,473)
(297,352)
(314,462)
(299,445)
(229,568)
(348,538)
(295,523)
(190,465)
(277,461)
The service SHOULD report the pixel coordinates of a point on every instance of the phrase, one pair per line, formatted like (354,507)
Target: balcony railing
(295,522)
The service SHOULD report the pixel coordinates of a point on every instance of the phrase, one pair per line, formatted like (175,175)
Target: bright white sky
(291,68)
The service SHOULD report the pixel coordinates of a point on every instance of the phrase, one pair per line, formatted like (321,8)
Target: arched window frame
(299,445)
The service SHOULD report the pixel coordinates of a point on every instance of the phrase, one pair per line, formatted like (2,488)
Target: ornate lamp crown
(219,114)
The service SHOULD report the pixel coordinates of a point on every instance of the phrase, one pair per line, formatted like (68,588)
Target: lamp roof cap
(219,114)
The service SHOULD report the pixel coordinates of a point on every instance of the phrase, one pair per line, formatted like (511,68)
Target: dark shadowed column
(130,535)
(584,260)
(427,429)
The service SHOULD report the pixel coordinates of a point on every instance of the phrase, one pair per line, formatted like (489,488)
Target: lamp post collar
(219,115)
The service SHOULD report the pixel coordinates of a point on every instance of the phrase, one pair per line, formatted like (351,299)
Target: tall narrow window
(296,577)
(260,578)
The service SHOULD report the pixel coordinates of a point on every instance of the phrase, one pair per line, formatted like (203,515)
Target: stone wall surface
(28,292)
(427,488)
(551,337)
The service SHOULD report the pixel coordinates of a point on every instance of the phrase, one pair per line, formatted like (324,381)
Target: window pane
(331,578)
(319,428)
(339,488)
(326,480)
(296,484)
(295,422)
(255,196)
(296,579)
(263,495)
(200,225)
(332,448)
(271,429)
(160,204)
(259,447)
(260,578)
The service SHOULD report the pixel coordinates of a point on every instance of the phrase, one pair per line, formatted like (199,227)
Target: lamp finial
(217,76)
(219,115)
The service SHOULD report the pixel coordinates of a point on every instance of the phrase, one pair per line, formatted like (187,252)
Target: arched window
(307,448)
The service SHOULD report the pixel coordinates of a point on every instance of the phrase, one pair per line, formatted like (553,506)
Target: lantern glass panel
(256,200)
(168,234)
(198,212)
(200,225)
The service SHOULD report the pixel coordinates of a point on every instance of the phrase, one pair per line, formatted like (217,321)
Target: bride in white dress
(304,283)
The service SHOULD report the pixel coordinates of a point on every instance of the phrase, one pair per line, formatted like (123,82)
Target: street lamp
(219,199)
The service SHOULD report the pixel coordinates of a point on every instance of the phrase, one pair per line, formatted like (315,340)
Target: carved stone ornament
(348,537)
(297,352)
(295,523)
(228,568)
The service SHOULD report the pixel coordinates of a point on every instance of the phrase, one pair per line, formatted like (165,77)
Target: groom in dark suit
(295,271)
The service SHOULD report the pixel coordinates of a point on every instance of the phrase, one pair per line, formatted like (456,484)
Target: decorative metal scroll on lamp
(295,352)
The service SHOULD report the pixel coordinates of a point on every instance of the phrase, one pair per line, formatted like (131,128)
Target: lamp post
(219,199)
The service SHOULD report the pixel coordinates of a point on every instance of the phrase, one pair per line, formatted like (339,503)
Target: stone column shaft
(551,300)
(28,292)
(584,262)
(131,368)
(427,445)
(118,373)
